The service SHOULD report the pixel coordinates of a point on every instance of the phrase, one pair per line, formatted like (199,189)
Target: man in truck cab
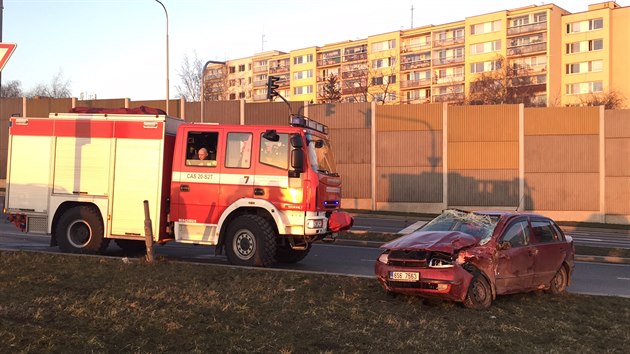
(203,154)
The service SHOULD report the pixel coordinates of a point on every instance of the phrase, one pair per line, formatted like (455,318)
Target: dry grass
(71,304)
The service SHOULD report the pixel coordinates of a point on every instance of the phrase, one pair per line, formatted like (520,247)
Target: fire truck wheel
(250,241)
(80,230)
(285,254)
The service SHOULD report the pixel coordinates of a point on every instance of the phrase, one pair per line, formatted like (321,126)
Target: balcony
(283,83)
(329,61)
(412,100)
(448,61)
(449,79)
(279,70)
(407,48)
(448,42)
(527,49)
(353,90)
(354,57)
(260,97)
(258,83)
(448,97)
(354,73)
(528,69)
(415,83)
(534,27)
(260,69)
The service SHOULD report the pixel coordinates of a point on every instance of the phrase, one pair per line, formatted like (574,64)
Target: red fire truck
(262,193)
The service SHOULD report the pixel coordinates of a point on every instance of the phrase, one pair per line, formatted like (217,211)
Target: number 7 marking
(246,179)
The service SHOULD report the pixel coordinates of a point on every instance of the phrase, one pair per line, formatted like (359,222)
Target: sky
(117,48)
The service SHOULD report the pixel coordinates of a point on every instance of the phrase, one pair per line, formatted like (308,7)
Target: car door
(516,260)
(551,250)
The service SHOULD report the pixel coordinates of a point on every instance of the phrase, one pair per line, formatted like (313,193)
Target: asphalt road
(588,278)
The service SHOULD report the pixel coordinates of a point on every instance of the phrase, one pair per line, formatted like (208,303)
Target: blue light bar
(300,121)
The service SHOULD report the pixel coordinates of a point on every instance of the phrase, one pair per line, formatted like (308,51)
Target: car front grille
(412,259)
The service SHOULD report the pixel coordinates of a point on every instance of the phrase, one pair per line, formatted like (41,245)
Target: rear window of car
(544,232)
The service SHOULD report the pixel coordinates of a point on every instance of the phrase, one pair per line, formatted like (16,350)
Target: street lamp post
(167,95)
(203,84)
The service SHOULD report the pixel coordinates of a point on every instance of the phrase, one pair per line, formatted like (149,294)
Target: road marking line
(622,278)
(411,228)
(588,239)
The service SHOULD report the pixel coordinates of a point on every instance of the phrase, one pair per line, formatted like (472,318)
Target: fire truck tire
(251,241)
(285,254)
(131,247)
(80,230)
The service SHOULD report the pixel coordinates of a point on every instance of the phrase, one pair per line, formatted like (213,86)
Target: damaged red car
(471,257)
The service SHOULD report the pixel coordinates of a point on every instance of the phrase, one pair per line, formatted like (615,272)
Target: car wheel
(559,281)
(479,296)
(80,230)
(251,241)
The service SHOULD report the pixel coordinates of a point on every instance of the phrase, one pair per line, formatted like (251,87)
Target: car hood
(440,241)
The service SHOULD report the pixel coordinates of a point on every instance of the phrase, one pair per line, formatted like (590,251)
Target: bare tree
(506,84)
(57,88)
(612,99)
(11,89)
(381,79)
(190,76)
(331,90)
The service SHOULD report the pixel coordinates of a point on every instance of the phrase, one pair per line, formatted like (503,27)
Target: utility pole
(262,46)
(411,16)
(1,16)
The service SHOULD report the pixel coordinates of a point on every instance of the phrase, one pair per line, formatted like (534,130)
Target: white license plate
(404,276)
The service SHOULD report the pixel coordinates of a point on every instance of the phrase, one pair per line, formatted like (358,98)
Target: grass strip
(73,304)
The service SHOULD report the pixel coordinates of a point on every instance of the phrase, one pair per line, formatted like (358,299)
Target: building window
(383,63)
(540,17)
(384,80)
(519,21)
(232,69)
(241,95)
(585,26)
(303,90)
(584,67)
(486,47)
(232,96)
(486,27)
(303,59)
(584,87)
(384,45)
(485,66)
(303,74)
(585,46)
(241,68)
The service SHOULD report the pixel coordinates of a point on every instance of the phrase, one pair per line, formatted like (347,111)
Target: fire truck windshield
(320,155)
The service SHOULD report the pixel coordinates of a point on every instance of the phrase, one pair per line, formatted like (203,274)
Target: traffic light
(272,87)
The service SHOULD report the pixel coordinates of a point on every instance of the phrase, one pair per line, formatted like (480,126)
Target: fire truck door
(197,188)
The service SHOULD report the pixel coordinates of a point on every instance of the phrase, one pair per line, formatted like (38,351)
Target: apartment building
(540,51)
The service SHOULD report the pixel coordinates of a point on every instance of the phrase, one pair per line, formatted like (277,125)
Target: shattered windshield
(478,225)
(320,155)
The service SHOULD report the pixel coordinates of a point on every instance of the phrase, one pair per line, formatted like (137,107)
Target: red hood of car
(440,241)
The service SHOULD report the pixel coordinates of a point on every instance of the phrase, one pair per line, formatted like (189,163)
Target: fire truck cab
(260,193)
